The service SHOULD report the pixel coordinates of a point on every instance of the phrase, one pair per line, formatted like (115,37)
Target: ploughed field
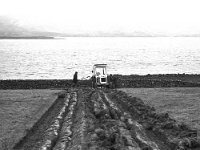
(19,111)
(104,119)
(182,104)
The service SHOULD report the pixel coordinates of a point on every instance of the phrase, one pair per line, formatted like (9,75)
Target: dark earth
(121,81)
(106,119)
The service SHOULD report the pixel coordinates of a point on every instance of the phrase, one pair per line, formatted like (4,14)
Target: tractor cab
(100,77)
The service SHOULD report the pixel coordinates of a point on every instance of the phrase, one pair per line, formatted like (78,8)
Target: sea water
(60,58)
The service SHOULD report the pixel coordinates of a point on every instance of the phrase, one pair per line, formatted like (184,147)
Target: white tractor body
(100,74)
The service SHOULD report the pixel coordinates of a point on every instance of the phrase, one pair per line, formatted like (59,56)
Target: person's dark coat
(75,78)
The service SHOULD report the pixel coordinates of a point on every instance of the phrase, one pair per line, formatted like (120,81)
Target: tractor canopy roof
(100,65)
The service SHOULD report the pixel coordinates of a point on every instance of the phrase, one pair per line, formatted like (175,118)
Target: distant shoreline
(85,36)
(32,37)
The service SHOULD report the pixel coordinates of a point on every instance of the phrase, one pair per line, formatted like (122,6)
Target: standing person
(75,79)
(114,80)
(93,80)
(111,81)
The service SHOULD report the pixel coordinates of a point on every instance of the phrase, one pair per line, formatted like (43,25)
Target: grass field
(19,110)
(182,104)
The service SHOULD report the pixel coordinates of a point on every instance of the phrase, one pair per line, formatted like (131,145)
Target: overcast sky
(163,16)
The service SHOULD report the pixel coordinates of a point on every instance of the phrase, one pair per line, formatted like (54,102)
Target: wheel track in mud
(88,119)
(46,133)
(124,129)
(135,131)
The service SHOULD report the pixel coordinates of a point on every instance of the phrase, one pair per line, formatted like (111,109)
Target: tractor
(100,78)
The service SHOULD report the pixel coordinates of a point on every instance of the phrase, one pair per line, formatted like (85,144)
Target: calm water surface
(59,59)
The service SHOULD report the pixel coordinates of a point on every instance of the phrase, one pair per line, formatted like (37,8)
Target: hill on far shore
(9,28)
